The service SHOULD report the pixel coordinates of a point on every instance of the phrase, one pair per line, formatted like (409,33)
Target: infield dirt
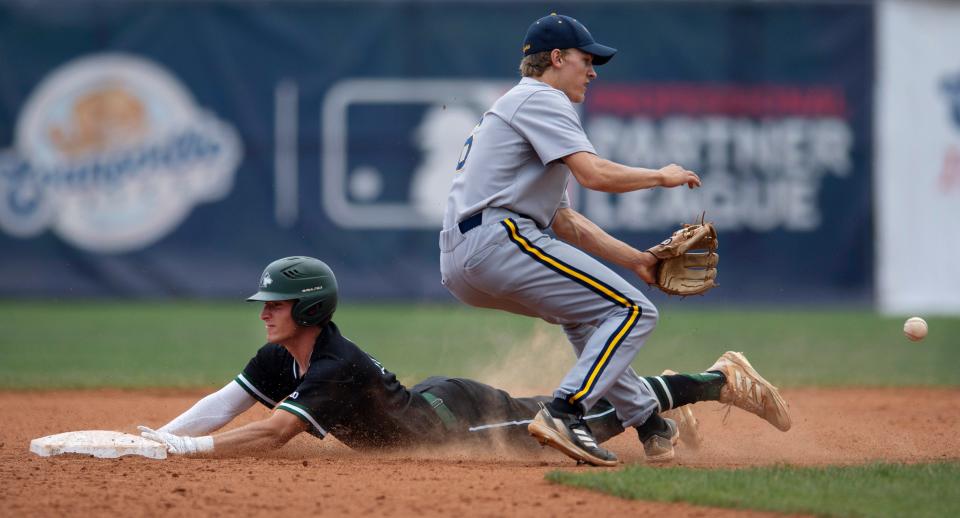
(314,477)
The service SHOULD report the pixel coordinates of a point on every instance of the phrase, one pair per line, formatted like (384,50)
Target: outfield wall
(172,149)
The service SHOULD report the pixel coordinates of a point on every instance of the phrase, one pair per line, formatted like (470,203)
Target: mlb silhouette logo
(390,147)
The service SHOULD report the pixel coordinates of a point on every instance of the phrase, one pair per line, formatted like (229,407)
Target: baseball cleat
(686,422)
(570,434)
(659,448)
(746,389)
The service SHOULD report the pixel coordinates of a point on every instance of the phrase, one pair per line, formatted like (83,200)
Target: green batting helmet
(308,281)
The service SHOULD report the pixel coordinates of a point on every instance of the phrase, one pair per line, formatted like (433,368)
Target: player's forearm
(609,176)
(574,228)
(268,434)
(600,174)
(251,437)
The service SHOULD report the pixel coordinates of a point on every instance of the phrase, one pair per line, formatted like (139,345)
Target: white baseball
(915,328)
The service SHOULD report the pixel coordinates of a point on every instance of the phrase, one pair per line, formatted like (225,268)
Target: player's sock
(676,390)
(652,426)
(564,406)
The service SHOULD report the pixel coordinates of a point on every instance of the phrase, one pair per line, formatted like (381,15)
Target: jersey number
(467,146)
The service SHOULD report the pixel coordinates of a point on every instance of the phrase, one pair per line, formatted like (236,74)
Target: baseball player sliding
(511,187)
(318,381)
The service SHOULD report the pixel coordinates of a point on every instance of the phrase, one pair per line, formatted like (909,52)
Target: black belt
(474,221)
(471,223)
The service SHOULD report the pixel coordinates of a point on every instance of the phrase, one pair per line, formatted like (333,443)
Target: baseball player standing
(510,188)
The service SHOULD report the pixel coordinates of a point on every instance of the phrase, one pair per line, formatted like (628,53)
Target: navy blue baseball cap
(563,32)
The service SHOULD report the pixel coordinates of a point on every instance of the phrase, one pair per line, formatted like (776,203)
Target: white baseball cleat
(745,388)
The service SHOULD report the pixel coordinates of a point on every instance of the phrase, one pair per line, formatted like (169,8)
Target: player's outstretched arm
(212,412)
(574,228)
(600,174)
(268,434)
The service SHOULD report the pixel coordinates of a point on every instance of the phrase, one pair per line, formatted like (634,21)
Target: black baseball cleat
(570,434)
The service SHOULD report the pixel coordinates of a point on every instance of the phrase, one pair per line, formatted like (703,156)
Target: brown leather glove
(688,260)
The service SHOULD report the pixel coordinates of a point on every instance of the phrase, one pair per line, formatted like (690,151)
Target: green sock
(676,390)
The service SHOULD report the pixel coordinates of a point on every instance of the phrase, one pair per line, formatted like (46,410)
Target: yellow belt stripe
(547,259)
(606,354)
(613,343)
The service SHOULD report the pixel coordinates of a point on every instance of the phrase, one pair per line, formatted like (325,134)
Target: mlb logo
(390,147)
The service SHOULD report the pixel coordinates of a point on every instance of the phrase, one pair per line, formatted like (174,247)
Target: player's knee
(649,313)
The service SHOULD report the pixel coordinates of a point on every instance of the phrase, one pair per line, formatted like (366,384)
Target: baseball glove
(688,260)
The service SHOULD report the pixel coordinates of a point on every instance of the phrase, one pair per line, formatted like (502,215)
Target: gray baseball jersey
(511,160)
(510,171)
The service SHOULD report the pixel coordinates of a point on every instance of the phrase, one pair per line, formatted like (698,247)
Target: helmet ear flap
(297,313)
(310,312)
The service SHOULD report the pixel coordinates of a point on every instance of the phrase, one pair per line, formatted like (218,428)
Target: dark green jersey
(345,392)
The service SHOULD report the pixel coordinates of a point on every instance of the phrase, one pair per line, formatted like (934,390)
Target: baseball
(915,328)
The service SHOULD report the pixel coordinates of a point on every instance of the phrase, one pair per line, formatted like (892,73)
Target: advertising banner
(918,187)
(158,150)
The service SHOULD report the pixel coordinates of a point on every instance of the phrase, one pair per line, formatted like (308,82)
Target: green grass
(812,348)
(60,345)
(871,490)
(189,344)
(96,344)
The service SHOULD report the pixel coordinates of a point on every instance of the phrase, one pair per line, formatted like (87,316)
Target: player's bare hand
(646,268)
(675,176)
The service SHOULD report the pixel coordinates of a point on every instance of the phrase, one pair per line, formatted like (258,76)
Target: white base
(99,443)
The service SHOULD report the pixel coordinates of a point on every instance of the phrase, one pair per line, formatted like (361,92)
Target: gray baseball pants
(508,263)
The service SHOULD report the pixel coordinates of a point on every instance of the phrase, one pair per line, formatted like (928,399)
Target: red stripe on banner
(658,99)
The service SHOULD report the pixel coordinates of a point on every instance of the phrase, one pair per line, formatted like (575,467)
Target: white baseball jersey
(512,158)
